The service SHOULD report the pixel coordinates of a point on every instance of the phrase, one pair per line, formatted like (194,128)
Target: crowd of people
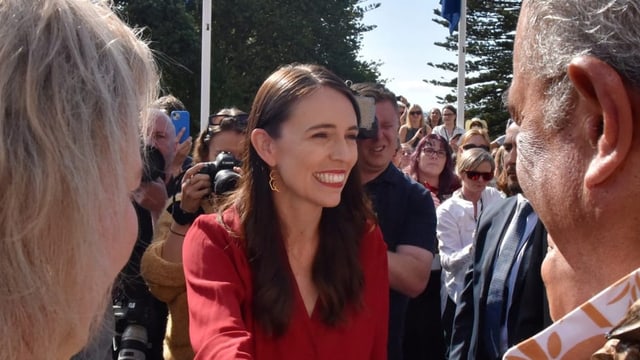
(331,220)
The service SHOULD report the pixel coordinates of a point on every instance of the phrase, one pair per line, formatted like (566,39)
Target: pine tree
(491,28)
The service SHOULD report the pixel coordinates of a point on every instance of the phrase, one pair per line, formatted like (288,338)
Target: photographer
(161,264)
(140,318)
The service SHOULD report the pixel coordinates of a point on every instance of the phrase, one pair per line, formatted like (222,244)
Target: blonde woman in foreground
(73,82)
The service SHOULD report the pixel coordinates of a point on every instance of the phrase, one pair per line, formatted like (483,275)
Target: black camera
(223,178)
(152,163)
(131,341)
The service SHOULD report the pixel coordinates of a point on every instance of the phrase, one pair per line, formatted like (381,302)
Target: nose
(343,150)
(511,157)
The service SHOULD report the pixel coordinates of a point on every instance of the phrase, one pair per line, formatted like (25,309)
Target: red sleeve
(380,269)
(216,274)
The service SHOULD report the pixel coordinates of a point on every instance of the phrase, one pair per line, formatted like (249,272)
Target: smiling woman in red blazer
(294,265)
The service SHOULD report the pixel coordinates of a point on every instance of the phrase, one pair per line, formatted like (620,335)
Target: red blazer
(219,293)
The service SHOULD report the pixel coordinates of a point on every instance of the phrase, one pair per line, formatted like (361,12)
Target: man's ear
(264,145)
(609,115)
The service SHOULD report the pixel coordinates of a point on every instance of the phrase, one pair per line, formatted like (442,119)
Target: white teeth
(379,148)
(330,178)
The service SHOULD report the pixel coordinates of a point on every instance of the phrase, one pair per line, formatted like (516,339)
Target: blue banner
(451,12)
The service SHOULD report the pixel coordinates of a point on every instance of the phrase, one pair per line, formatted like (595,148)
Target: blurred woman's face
(415,114)
(476,180)
(476,141)
(230,141)
(435,116)
(432,158)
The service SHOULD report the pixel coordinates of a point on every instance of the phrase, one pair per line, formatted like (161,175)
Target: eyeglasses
(227,122)
(474,146)
(415,112)
(476,175)
(434,153)
(448,114)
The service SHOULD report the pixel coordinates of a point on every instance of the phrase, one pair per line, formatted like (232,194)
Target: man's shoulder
(499,208)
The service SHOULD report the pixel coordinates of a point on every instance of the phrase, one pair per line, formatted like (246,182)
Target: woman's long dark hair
(336,269)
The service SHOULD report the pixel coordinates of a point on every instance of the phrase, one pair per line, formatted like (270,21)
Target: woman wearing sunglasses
(414,127)
(457,218)
(161,264)
(472,139)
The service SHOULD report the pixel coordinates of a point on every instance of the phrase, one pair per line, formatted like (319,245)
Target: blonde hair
(472,158)
(73,82)
(407,120)
(471,133)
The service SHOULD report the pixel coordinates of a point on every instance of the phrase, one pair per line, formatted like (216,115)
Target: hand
(182,150)
(152,196)
(195,186)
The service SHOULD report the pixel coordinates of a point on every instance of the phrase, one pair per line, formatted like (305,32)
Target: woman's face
(448,116)
(434,116)
(229,141)
(317,149)
(415,114)
(432,158)
(476,180)
(476,141)
(119,226)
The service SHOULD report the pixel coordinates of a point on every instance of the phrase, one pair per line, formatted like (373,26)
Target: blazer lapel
(492,240)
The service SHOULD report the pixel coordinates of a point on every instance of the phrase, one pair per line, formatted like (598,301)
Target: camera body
(368,128)
(153,164)
(223,178)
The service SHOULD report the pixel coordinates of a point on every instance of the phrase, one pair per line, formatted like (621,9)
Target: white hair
(73,82)
(562,30)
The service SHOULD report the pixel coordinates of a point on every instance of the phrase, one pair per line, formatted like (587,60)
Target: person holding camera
(293,265)
(215,154)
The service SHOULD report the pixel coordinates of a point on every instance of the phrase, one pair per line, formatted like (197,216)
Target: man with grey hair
(576,96)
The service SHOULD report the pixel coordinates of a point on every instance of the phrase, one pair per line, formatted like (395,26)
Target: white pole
(462,49)
(205,79)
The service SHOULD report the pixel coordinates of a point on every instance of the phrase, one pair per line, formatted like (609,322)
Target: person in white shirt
(448,129)
(457,219)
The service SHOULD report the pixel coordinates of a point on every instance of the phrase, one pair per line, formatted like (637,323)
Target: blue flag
(451,12)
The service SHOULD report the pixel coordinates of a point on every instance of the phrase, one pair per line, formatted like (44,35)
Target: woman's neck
(469,195)
(433,181)
(299,223)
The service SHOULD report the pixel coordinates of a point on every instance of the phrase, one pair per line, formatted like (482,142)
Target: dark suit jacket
(528,313)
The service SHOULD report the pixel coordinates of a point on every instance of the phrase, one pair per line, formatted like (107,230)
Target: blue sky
(403,42)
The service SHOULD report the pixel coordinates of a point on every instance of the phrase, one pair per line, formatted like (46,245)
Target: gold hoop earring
(272,181)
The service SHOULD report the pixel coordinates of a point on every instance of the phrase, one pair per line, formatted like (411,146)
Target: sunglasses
(449,114)
(476,175)
(415,112)
(227,122)
(474,146)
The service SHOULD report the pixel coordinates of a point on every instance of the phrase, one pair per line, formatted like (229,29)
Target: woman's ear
(264,145)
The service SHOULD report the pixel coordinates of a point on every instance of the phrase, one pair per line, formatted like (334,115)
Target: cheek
(555,274)
(121,238)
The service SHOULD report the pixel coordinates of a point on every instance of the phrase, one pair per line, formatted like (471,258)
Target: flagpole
(205,79)
(462,49)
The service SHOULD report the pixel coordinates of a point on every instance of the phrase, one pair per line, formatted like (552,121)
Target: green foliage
(491,28)
(250,39)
